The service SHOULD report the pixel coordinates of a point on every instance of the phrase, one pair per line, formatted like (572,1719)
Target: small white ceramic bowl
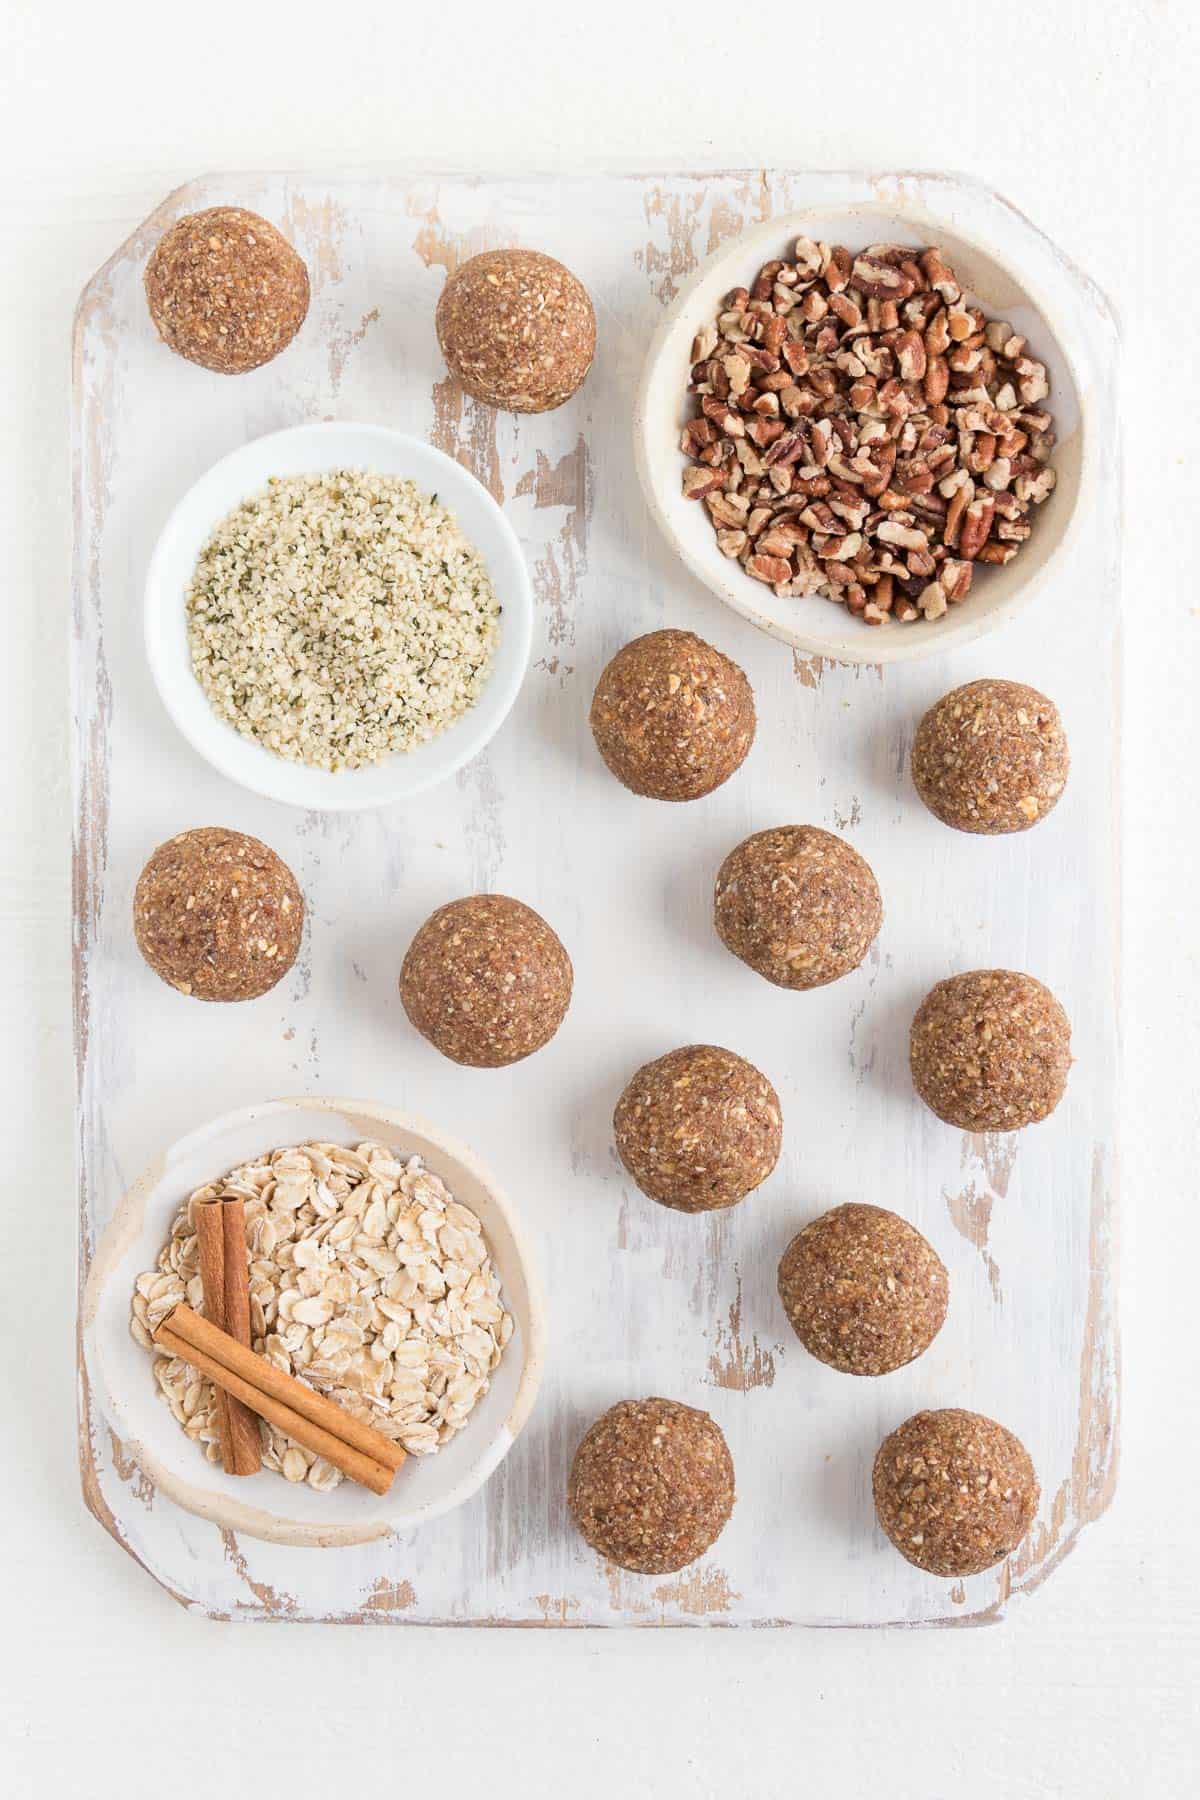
(311,449)
(264,1505)
(813,624)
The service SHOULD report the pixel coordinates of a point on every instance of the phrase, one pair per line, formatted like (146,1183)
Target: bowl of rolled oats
(386,1270)
(338,616)
(862,431)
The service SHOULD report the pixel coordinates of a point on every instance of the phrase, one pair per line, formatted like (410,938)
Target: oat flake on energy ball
(341,618)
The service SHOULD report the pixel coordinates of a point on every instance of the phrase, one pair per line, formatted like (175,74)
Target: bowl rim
(255,1520)
(871,651)
(227,760)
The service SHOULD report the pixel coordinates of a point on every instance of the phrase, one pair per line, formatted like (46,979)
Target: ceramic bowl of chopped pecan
(863,432)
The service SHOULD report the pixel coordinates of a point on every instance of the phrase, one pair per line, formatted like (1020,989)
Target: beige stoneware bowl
(265,1505)
(813,624)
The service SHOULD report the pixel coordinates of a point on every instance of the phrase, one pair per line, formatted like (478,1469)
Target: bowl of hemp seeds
(338,616)
(862,431)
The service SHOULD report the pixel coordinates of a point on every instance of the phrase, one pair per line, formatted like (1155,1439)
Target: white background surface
(1083,114)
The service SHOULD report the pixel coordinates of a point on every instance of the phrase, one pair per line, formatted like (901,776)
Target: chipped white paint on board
(642,1300)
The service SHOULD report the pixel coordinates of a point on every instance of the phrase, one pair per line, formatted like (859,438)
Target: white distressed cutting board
(642,1300)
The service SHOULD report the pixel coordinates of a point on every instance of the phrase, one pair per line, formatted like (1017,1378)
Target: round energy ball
(954,1491)
(991,757)
(218,915)
(226,290)
(797,904)
(990,1050)
(517,329)
(863,1290)
(651,1485)
(672,717)
(486,981)
(699,1128)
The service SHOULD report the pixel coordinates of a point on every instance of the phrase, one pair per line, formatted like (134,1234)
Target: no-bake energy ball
(699,1128)
(517,329)
(486,981)
(651,1485)
(991,757)
(797,904)
(218,915)
(863,1290)
(672,717)
(226,290)
(954,1491)
(990,1050)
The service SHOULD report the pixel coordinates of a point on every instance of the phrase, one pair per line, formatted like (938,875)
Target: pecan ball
(517,329)
(863,1290)
(672,717)
(218,915)
(990,1050)
(954,1491)
(797,904)
(226,290)
(699,1128)
(991,757)
(651,1485)
(486,981)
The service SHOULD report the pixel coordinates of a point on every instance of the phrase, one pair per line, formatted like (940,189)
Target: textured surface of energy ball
(226,290)
(991,757)
(954,1491)
(699,1128)
(651,1485)
(990,1050)
(486,981)
(798,904)
(863,1290)
(517,329)
(672,717)
(218,915)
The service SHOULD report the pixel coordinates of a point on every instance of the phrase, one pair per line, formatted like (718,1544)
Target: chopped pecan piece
(768,568)
(697,482)
(908,537)
(976,524)
(722,416)
(910,356)
(955,578)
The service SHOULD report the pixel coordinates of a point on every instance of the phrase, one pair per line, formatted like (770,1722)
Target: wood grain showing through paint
(734,1363)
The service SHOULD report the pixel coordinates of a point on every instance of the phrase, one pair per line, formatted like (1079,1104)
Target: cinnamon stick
(210,1246)
(323,1427)
(221,1242)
